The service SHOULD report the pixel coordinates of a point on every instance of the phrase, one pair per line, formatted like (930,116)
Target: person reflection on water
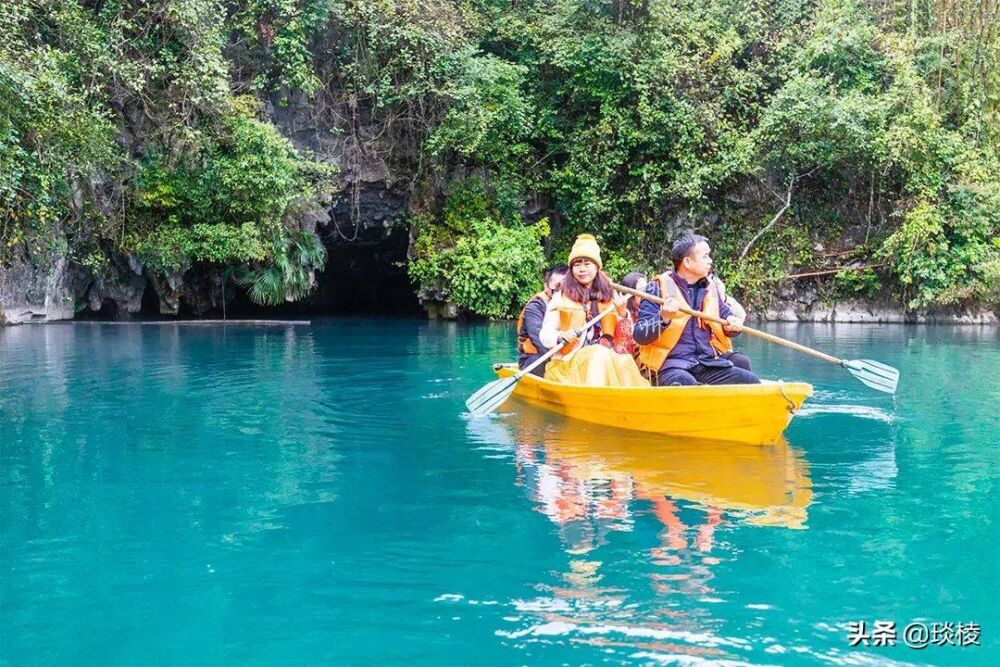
(589,502)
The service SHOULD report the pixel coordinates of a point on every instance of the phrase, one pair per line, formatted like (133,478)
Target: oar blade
(876,375)
(490,397)
(494,403)
(486,390)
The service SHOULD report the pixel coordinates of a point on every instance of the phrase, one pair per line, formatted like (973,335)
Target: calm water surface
(315,495)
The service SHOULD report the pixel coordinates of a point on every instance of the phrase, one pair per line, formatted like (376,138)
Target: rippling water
(315,495)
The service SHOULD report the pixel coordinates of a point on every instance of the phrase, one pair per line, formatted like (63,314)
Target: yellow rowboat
(751,413)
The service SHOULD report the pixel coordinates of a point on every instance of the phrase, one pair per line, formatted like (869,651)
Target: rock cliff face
(37,291)
(366,238)
(809,301)
(363,229)
(865,312)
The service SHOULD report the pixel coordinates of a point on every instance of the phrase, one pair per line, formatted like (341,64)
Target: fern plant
(289,276)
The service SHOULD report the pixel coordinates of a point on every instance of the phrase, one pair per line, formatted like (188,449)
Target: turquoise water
(315,495)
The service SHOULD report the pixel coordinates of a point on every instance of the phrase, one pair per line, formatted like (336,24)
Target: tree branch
(777,216)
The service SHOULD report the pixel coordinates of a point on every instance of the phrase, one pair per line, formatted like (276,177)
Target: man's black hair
(683,247)
(558,268)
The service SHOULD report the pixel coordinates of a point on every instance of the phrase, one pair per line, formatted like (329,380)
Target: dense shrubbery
(227,204)
(194,175)
(775,128)
(478,256)
(55,133)
(773,132)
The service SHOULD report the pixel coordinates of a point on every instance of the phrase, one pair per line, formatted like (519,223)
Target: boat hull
(751,413)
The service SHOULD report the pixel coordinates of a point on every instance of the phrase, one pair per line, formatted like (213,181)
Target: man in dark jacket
(682,349)
(529,346)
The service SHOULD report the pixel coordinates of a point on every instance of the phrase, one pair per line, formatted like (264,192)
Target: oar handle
(548,355)
(718,320)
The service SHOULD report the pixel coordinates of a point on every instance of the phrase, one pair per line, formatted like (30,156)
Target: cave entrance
(366,277)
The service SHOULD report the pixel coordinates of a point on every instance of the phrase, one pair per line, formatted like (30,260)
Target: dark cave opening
(368,279)
(361,277)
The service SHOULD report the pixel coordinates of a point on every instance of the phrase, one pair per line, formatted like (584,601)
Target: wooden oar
(873,373)
(492,395)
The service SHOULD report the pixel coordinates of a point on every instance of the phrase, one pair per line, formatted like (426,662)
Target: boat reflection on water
(580,472)
(593,482)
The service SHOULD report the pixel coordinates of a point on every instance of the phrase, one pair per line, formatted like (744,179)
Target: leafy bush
(864,283)
(170,249)
(289,275)
(226,204)
(475,257)
(946,254)
(55,134)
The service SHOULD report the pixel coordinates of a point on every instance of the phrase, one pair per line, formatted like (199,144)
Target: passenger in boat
(586,292)
(529,322)
(676,348)
(624,342)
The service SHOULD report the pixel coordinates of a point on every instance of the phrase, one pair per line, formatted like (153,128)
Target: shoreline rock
(861,312)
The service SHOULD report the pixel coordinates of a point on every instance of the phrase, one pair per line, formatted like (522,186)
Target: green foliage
(617,264)
(947,254)
(215,184)
(226,205)
(864,284)
(289,275)
(494,270)
(279,35)
(170,249)
(756,275)
(54,134)
(488,120)
(877,123)
(247,173)
(476,257)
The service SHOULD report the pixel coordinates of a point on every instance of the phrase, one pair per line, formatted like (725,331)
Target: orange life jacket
(524,344)
(572,316)
(653,355)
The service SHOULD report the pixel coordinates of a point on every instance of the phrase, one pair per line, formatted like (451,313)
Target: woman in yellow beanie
(586,291)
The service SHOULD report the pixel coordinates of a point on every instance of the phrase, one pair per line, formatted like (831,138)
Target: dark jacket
(694,346)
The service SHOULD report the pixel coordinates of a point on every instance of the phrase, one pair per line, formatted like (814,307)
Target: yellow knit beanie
(586,246)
